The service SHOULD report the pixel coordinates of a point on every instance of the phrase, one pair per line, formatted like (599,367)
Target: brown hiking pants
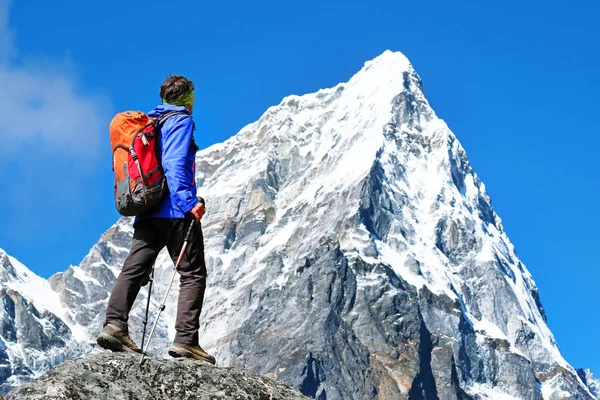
(149,237)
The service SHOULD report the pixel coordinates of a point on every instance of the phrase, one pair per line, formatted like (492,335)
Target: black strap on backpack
(160,121)
(163,118)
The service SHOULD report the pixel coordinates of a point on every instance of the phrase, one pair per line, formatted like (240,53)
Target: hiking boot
(116,339)
(196,352)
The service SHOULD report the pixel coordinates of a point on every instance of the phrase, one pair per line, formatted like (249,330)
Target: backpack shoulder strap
(163,118)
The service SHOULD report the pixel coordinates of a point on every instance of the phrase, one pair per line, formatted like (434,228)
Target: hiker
(165,225)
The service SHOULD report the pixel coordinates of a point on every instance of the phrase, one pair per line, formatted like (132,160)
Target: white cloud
(46,108)
(43,105)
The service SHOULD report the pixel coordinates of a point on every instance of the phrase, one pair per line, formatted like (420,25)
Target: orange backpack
(140,182)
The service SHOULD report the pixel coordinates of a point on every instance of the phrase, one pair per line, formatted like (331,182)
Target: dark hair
(174,86)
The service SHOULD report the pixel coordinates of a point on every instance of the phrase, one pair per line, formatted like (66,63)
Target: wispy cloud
(53,143)
(46,108)
(42,103)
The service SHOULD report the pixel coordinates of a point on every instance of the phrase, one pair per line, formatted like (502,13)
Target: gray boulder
(118,376)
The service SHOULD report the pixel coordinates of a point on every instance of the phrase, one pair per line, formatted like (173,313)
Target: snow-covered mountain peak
(36,291)
(385,71)
(18,277)
(367,168)
(371,90)
(334,134)
(389,57)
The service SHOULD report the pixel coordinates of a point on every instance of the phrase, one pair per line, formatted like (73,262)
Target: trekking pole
(162,306)
(145,322)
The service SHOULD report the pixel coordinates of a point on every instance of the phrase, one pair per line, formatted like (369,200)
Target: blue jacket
(177,156)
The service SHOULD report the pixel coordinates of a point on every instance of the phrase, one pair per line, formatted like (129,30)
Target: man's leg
(148,240)
(192,272)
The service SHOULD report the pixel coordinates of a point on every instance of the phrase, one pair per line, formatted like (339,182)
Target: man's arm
(176,145)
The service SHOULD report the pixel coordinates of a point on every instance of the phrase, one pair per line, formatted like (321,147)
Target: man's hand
(198,211)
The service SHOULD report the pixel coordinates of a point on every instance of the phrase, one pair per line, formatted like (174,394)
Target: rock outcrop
(118,376)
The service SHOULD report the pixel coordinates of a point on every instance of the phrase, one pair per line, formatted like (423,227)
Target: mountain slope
(353,253)
(35,334)
(592,383)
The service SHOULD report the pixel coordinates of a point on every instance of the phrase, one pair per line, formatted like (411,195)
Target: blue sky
(516,81)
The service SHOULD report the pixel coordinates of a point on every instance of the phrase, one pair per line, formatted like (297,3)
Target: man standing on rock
(166,225)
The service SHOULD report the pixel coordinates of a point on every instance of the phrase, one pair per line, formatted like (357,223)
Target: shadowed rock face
(119,377)
(352,253)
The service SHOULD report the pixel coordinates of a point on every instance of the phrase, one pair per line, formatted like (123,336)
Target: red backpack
(140,182)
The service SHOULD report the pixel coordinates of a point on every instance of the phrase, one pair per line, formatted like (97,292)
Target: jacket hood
(164,108)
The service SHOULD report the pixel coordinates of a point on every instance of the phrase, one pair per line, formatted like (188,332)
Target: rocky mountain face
(352,253)
(592,383)
(119,377)
(34,336)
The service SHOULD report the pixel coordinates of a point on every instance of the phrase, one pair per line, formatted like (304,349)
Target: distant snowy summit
(352,253)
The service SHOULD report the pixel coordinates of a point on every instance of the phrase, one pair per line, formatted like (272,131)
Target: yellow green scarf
(186,100)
